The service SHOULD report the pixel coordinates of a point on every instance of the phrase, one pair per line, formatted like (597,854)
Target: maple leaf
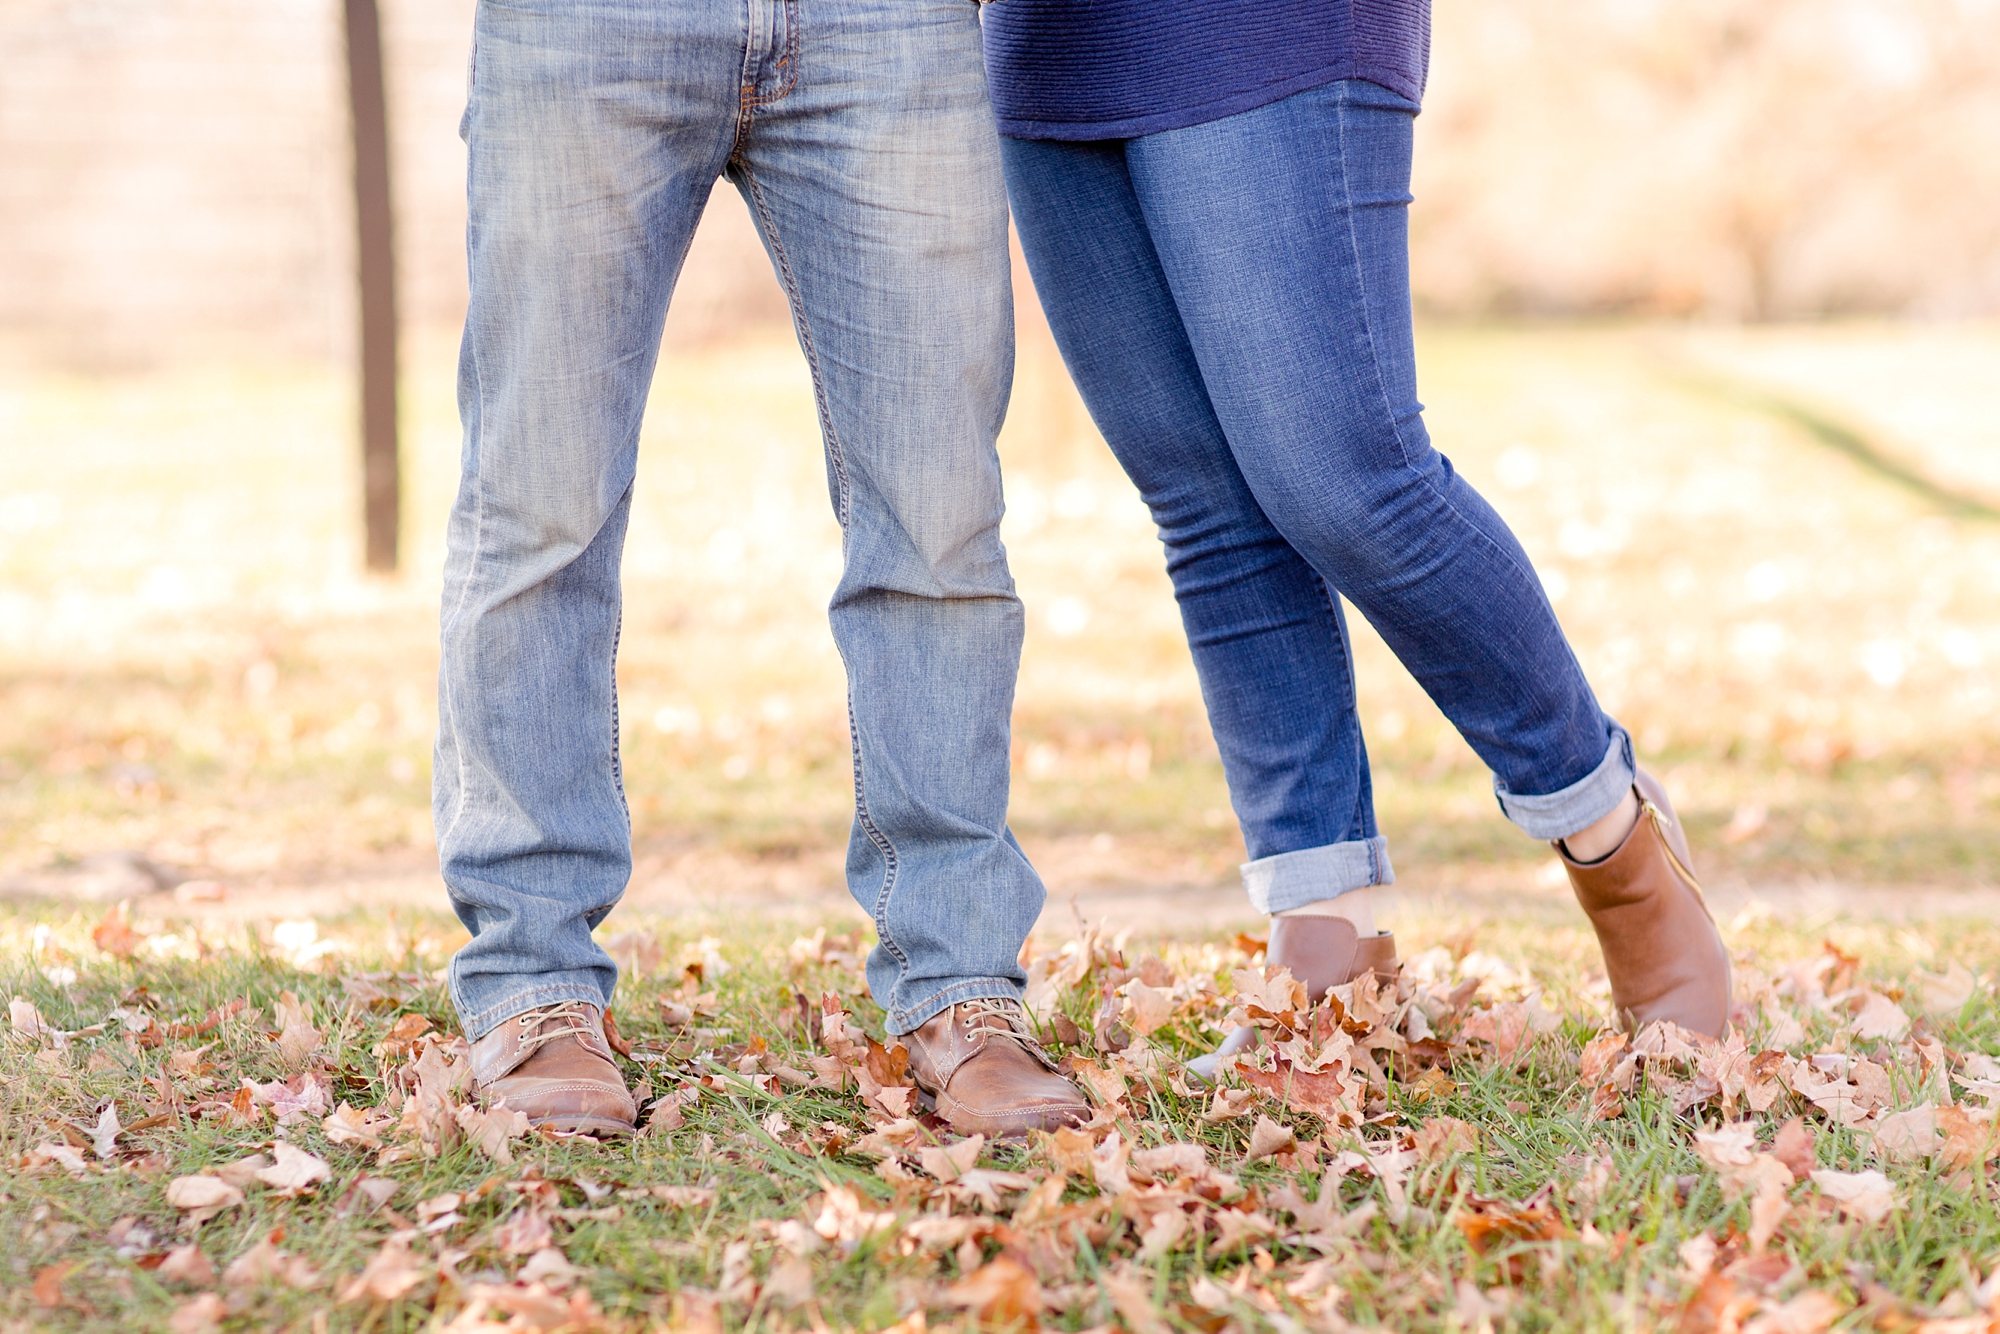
(297,1039)
(1946,993)
(1106,1086)
(389,1274)
(104,1138)
(1147,1009)
(1967,1143)
(47,1289)
(186,1264)
(1066,1149)
(1811,1312)
(1002,1291)
(1268,1138)
(845,1220)
(1601,1055)
(295,1172)
(114,934)
(199,1314)
(1131,1293)
(1504,1027)
(1442,1136)
(363,1128)
(1229,1104)
(202,1197)
(1909,1136)
(1794,1148)
(1487,1224)
(265,1263)
(523,1232)
(401,1039)
(1325,1094)
(949,1164)
(1163,1231)
(1865,1195)
(1768,1207)
(1879,1017)
(490,1129)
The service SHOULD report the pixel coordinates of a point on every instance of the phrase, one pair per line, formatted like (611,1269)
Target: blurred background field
(1710,294)
(1804,645)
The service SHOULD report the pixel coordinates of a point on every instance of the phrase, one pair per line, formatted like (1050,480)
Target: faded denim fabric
(860,134)
(1233,301)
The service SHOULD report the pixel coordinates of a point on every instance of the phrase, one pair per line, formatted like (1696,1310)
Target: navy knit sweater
(1116,69)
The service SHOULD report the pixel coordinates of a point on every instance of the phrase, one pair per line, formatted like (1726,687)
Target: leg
(875,180)
(1292,282)
(1267,636)
(595,136)
(1282,233)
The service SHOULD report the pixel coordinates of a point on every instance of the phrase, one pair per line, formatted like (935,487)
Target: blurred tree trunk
(381,493)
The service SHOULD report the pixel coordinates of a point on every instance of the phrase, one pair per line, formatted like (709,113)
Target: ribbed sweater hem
(1180,118)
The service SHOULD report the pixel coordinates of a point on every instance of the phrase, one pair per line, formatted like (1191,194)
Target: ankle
(1356,906)
(1605,836)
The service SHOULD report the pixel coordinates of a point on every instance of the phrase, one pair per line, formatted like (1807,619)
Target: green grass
(1618,1197)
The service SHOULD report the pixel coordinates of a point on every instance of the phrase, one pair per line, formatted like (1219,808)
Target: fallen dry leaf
(1908,1137)
(1868,1196)
(1442,1136)
(199,1314)
(389,1274)
(523,1233)
(1879,1017)
(202,1197)
(1944,994)
(1267,1137)
(265,1263)
(1002,1291)
(297,1038)
(1147,1009)
(186,1264)
(114,934)
(1794,1148)
(47,1288)
(1131,1291)
(1811,1312)
(362,1127)
(490,1129)
(295,1172)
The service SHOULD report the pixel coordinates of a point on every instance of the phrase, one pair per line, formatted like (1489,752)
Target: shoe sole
(584,1125)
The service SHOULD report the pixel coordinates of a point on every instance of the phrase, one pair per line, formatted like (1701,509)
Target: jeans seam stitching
(1382,390)
(891,863)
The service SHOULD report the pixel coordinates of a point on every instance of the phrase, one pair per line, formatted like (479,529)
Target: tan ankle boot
(553,1064)
(1661,949)
(1323,953)
(979,1065)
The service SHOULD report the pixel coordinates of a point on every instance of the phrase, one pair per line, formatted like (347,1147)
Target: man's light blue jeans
(859,133)
(1233,300)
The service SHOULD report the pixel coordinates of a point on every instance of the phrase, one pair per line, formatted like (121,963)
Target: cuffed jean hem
(1581,804)
(479,1023)
(1293,879)
(908,1018)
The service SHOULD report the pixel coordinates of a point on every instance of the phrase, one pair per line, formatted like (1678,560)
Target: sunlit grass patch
(1470,1147)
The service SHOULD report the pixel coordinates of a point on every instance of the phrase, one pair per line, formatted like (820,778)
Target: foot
(553,1064)
(979,1065)
(1661,949)
(1323,953)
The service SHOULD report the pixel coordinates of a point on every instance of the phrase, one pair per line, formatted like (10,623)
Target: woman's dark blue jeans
(1233,301)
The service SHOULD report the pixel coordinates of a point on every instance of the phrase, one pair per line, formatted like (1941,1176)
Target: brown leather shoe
(1323,953)
(554,1064)
(979,1065)
(1661,949)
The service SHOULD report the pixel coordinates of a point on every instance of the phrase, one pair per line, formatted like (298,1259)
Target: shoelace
(1002,1019)
(537,1030)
